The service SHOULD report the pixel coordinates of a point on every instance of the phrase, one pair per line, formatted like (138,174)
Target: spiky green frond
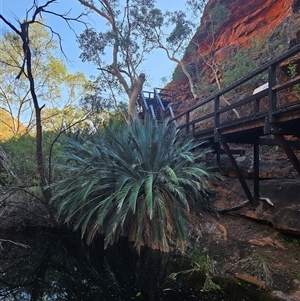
(135,180)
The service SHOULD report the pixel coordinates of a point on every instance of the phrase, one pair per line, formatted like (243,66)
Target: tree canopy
(133,29)
(120,70)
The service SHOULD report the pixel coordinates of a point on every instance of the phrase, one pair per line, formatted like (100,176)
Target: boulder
(279,204)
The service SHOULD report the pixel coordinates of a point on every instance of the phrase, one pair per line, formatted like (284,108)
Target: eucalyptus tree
(120,49)
(175,33)
(181,44)
(134,29)
(196,5)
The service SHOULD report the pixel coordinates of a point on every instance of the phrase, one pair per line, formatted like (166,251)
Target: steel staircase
(157,103)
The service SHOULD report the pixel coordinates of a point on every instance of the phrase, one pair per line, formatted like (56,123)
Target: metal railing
(160,106)
(269,111)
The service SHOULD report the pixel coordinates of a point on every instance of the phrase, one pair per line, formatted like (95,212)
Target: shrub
(137,180)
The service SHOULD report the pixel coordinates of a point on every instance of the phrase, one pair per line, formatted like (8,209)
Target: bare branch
(10,25)
(15,243)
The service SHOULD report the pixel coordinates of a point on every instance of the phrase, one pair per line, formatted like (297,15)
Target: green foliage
(263,49)
(292,69)
(241,64)
(215,18)
(197,6)
(182,29)
(57,119)
(200,263)
(289,239)
(218,16)
(137,180)
(178,76)
(296,242)
(125,36)
(22,159)
(263,269)
(277,42)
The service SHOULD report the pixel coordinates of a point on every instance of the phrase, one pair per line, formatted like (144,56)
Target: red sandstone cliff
(248,23)
(251,19)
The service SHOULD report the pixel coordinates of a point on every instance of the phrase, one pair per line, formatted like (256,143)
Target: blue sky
(156,67)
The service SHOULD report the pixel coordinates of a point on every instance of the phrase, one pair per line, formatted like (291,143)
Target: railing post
(256,106)
(187,121)
(272,94)
(216,117)
(256,173)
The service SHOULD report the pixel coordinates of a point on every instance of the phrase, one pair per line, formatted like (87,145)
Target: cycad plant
(137,180)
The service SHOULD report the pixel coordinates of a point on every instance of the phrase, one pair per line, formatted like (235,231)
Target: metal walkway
(265,116)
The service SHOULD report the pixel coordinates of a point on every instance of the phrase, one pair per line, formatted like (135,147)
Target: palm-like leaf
(138,180)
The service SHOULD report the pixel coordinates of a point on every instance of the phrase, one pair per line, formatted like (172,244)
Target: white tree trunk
(135,94)
(191,83)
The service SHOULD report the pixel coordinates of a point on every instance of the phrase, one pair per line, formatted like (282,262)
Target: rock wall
(250,20)
(246,23)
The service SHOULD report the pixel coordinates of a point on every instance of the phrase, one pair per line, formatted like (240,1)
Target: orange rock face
(246,23)
(248,20)
(253,19)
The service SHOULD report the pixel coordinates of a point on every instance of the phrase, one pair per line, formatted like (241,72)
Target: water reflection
(58,266)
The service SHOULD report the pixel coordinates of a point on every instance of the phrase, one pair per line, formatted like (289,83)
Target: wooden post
(187,121)
(272,94)
(218,153)
(216,118)
(256,173)
(256,106)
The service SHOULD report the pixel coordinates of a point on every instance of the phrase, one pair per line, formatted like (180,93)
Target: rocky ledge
(261,244)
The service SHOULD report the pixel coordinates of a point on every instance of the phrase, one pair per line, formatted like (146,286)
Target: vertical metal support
(187,121)
(217,149)
(256,106)
(256,173)
(239,174)
(219,157)
(216,118)
(289,152)
(216,126)
(272,94)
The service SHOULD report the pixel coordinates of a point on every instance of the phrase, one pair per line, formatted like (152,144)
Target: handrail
(151,109)
(158,99)
(166,112)
(143,103)
(167,93)
(271,92)
(172,115)
(145,106)
(159,105)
